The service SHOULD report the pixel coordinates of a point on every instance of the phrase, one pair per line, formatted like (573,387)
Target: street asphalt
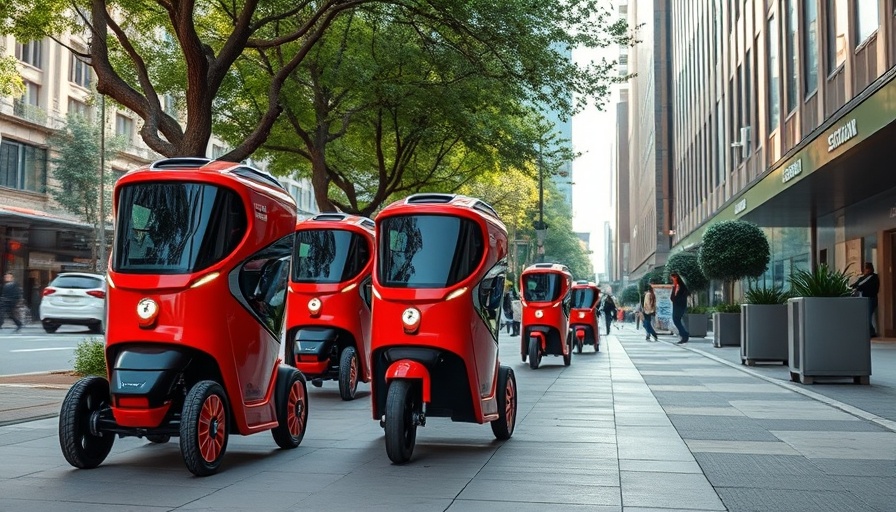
(639,426)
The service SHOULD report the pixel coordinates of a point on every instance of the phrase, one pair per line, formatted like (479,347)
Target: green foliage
(732,250)
(687,266)
(765,295)
(727,308)
(630,295)
(11,83)
(655,276)
(820,282)
(90,357)
(702,310)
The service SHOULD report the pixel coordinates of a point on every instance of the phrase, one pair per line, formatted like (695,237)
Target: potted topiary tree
(686,265)
(730,251)
(763,325)
(828,331)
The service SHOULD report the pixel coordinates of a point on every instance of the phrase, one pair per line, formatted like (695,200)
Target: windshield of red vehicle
(427,251)
(328,255)
(541,287)
(175,228)
(583,297)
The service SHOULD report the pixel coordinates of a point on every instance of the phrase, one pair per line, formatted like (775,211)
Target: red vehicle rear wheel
(203,428)
(292,410)
(81,448)
(402,405)
(503,426)
(348,373)
(567,358)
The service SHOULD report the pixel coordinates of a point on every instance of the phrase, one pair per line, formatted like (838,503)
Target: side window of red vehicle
(263,280)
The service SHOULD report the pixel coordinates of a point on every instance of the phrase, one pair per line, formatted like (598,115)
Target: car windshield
(541,287)
(428,251)
(583,297)
(77,282)
(175,228)
(328,255)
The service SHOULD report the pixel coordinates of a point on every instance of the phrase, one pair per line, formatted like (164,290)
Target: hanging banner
(663,319)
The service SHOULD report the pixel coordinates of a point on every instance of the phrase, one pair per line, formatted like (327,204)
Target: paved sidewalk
(638,426)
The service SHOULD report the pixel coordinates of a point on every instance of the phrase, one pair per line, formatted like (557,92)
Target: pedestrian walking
(608,307)
(10,295)
(867,285)
(648,310)
(507,308)
(517,310)
(679,298)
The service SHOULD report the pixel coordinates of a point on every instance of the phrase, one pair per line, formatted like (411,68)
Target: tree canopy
(732,250)
(686,265)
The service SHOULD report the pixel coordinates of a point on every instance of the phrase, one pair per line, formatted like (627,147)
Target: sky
(593,134)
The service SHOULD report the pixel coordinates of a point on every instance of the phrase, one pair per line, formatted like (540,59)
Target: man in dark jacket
(867,285)
(679,306)
(10,295)
(609,309)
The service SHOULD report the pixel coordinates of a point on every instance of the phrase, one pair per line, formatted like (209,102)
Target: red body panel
(449,321)
(206,316)
(410,369)
(549,318)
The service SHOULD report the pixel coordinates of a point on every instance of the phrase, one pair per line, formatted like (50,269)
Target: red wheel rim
(296,419)
(211,428)
(353,373)
(509,403)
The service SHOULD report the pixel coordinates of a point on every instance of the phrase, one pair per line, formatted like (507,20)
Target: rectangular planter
(828,337)
(763,332)
(726,329)
(696,324)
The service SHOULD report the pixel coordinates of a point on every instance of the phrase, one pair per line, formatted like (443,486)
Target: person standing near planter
(648,310)
(679,306)
(867,285)
(10,295)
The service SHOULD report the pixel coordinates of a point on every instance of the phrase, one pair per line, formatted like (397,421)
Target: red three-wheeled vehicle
(546,306)
(328,318)
(196,298)
(584,315)
(437,290)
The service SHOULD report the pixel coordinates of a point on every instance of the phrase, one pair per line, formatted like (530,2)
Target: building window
(32,94)
(867,20)
(774,93)
(124,127)
(78,108)
(793,56)
(836,34)
(79,72)
(29,53)
(23,167)
(810,12)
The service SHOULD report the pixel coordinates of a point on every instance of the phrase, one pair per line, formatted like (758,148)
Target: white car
(74,298)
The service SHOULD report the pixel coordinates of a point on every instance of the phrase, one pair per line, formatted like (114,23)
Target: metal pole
(540,208)
(102,264)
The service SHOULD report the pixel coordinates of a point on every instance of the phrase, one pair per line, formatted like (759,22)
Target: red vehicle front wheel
(81,447)
(403,404)
(503,426)
(203,428)
(348,373)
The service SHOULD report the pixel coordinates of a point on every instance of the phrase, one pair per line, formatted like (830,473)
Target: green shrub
(727,308)
(630,295)
(821,282)
(700,310)
(765,295)
(90,357)
(686,265)
(732,250)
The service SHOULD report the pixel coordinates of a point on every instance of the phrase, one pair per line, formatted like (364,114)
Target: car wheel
(81,447)
(292,409)
(503,426)
(402,404)
(50,328)
(203,428)
(348,373)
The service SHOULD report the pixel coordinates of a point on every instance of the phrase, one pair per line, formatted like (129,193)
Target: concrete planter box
(763,332)
(828,337)
(726,329)
(696,324)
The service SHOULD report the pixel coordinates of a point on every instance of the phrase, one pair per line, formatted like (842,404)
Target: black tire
(534,353)
(318,383)
(579,345)
(507,400)
(50,328)
(81,448)
(158,438)
(292,409)
(567,358)
(596,345)
(402,403)
(204,428)
(349,366)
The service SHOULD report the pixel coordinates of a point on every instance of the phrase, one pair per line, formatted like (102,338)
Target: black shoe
(682,342)
(655,338)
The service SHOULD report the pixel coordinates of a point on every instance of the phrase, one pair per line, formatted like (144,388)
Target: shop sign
(740,206)
(42,261)
(792,171)
(842,134)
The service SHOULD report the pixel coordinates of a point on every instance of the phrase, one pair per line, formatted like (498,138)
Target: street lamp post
(540,226)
